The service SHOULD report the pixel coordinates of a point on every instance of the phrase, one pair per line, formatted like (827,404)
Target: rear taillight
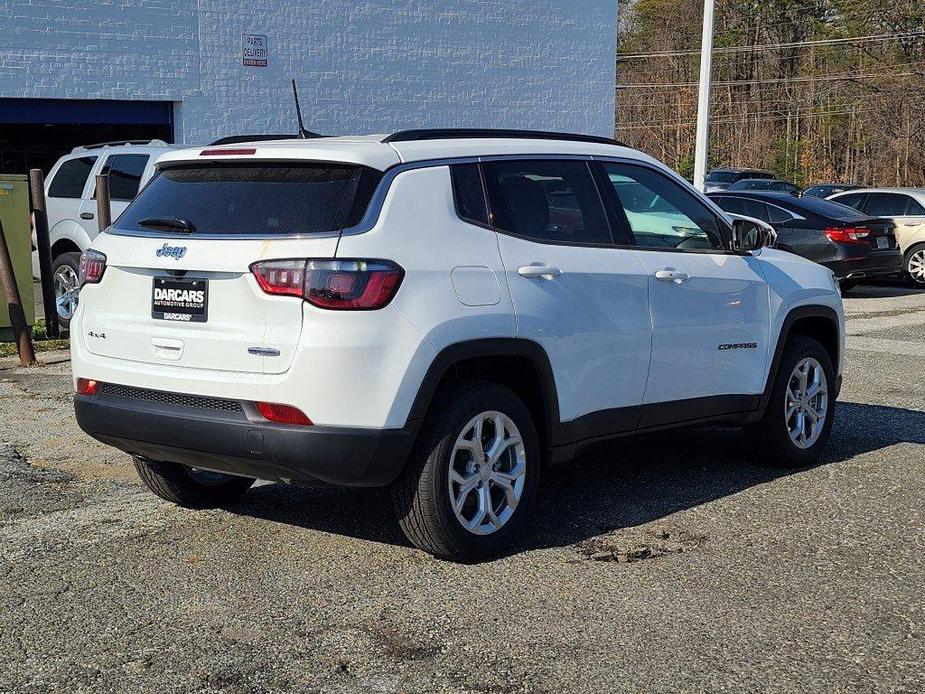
(92,267)
(284,414)
(341,285)
(848,234)
(85,386)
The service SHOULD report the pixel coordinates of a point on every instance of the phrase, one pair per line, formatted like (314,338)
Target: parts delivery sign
(254,50)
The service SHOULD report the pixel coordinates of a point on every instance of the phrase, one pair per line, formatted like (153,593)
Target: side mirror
(750,234)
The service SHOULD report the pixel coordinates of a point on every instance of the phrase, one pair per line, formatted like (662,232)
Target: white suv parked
(444,312)
(70,194)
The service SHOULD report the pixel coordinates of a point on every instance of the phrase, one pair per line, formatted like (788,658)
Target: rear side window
(469,193)
(886,204)
(125,172)
(552,201)
(778,215)
(255,199)
(71,177)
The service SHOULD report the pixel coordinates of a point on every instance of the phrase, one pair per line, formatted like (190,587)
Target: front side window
(125,171)
(660,213)
(733,205)
(71,177)
(272,199)
(552,201)
(852,200)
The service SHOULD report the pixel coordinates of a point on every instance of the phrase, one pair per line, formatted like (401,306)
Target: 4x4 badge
(175,252)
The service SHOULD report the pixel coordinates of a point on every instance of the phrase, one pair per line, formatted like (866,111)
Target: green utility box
(14,213)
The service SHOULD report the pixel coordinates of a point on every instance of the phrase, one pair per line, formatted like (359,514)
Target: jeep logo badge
(175,252)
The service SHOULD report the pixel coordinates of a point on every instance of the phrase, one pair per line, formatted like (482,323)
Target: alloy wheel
(916,266)
(67,288)
(806,404)
(487,472)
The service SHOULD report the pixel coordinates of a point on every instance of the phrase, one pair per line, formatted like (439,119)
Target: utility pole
(702,148)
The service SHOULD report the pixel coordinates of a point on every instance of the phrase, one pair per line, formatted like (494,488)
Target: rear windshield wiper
(171,223)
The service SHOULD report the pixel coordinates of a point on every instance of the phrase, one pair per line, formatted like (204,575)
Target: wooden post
(21,332)
(43,242)
(103,207)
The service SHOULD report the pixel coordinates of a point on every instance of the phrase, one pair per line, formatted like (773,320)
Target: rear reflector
(340,285)
(848,234)
(284,414)
(227,152)
(86,386)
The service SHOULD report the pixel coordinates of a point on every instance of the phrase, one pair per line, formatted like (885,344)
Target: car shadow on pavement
(631,482)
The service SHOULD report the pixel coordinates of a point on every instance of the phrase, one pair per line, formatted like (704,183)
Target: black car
(721,179)
(824,190)
(765,184)
(851,244)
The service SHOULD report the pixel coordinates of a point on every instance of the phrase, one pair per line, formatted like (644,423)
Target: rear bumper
(869,265)
(243,443)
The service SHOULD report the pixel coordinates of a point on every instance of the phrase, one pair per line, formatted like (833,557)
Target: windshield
(253,199)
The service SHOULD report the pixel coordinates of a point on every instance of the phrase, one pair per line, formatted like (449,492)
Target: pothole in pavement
(636,544)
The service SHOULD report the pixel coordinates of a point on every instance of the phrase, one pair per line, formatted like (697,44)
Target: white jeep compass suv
(442,311)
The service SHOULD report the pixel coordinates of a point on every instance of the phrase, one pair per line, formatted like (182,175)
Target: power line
(767,115)
(780,80)
(775,46)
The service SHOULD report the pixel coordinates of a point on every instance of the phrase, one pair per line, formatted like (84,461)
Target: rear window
(722,176)
(255,199)
(830,208)
(125,171)
(71,177)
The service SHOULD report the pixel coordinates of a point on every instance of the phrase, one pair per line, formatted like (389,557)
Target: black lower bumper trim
(235,443)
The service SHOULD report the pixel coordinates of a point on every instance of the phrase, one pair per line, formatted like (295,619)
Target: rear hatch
(177,288)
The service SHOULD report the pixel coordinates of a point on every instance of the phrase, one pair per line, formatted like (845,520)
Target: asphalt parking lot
(726,576)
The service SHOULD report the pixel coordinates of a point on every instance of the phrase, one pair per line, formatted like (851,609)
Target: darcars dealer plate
(185,300)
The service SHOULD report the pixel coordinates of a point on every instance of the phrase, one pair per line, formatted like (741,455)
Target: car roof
(898,189)
(758,194)
(122,146)
(735,169)
(372,151)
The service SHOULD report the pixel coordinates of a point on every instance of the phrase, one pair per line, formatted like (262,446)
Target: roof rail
(118,143)
(233,139)
(454,133)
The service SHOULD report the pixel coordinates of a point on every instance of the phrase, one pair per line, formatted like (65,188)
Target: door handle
(535,270)
(86,215)
(673,276)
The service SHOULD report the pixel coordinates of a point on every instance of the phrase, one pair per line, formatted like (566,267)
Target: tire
(64,270)
(188,487)
(770,440)
(914,266)
(422,495)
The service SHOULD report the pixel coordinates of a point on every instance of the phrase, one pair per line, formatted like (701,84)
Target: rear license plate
(883,242)
(185,299)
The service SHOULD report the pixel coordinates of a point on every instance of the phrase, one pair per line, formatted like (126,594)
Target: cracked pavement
(736,577)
